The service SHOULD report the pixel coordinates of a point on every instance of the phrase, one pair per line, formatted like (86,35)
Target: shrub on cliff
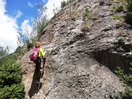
(128,17)
(11,86)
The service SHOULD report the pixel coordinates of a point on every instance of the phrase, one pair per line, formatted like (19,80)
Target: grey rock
(80,65)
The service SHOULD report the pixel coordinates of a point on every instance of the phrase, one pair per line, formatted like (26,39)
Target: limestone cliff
(81,61)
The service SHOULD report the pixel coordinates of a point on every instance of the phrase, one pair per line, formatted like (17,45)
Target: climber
(36,57)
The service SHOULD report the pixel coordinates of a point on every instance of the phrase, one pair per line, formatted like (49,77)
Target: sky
(18,15)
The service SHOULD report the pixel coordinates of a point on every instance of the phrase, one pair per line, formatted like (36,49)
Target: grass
(74,15)
(117,17)
(119,8)
(85,27)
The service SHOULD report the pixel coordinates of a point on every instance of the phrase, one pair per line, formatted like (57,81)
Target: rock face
(79,64)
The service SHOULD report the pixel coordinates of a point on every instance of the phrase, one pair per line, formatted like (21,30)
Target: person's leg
(44,60)
(38,65)
(42,69)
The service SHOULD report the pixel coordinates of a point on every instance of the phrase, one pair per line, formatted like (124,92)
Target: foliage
(10,74)
(120,41)
(127,78)
(128,17)
(40,23)
(29,45)
(3,52)
(129,6)
(87,13)
(39,27)
(126,6)
(117,17)
(64,3)
(127,94)
(11,86)
(85,27)
(15,91)
(122,1)
(119,8)
(86,24)
(74,15)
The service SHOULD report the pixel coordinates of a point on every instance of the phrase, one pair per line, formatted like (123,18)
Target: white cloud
(30,5)
(26,28)
(51,5)
(8,29)
(18,14)
(2,7)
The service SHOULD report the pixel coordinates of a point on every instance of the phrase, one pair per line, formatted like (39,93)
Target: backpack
(34,54)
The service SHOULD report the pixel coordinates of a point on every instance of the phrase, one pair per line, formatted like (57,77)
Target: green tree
(128,17)
(11,86)
(3,52)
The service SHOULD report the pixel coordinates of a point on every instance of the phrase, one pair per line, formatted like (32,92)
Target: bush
(85,27)
(74,15)
(127,94)
(117,17)
(87,13)
(120,41)
(15,91)
(3,52)
(129,6)
(119,8)
(29,44)
(64,3)
(127,79)
(40,27)
(11,86)
(10,74)
(128,18)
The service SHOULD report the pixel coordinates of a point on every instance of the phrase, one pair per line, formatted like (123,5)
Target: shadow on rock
(36,85)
